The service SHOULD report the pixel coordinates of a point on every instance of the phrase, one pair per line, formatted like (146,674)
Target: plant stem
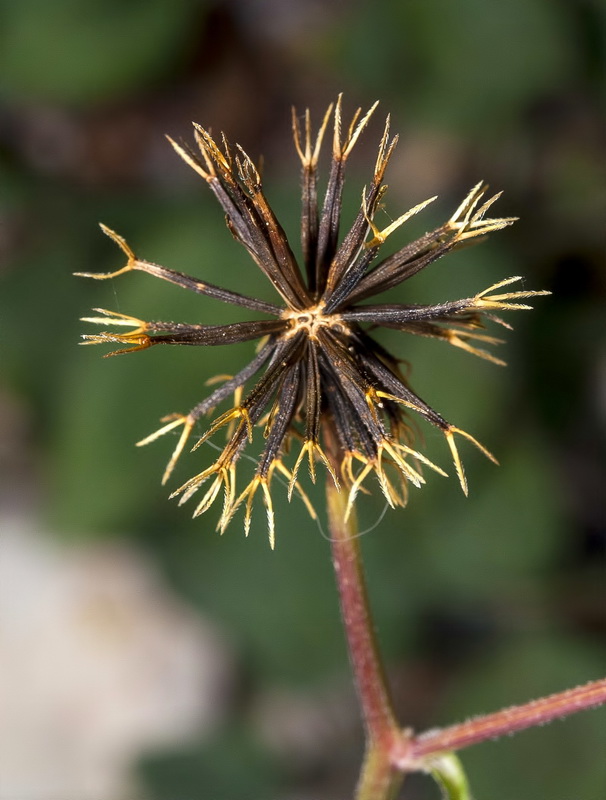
(449,774)
(507,721)
(379,780)
(391,753)
(368,670)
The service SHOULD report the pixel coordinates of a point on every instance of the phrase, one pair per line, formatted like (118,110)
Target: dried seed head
(318,375)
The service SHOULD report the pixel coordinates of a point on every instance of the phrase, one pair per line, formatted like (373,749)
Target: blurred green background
(479,603)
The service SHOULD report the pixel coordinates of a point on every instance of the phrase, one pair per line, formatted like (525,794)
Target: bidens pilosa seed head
(319,383)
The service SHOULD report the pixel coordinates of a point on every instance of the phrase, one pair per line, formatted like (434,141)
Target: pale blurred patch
(99,663)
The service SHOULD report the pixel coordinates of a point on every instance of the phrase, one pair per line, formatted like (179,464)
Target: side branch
(510,720)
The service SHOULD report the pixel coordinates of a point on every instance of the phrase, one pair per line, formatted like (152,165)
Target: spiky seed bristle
(317,367)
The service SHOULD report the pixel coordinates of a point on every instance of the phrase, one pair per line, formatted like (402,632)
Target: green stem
(378,779)
(449,774)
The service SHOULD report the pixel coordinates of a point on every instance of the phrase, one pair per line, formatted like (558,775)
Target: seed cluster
(318,373)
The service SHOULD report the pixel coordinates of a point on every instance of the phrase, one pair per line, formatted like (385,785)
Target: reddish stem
(410,751)
(368,672)
(379,778)
(391,753)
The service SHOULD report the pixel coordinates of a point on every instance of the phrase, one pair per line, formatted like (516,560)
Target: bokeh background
(143,655)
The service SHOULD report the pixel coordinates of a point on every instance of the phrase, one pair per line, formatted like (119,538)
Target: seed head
(318,376)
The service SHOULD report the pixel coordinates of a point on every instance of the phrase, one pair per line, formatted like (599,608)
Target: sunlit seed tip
(469,202)
(449,434)
(186,495)
(108,231)
(189,159)
(504,282)
(484,450)
(381,236)
(192,485)
(356,128)
(161,431)
(313,160)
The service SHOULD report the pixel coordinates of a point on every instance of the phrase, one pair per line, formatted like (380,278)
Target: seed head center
(311,320)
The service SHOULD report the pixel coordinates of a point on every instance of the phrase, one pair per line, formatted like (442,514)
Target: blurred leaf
(82,50)
(471,65)
(505,534)
(232,767)
(281,605)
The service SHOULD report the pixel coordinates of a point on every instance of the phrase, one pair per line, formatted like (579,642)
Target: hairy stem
(391,752)
(379,780)
(506,721)
(368,670)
